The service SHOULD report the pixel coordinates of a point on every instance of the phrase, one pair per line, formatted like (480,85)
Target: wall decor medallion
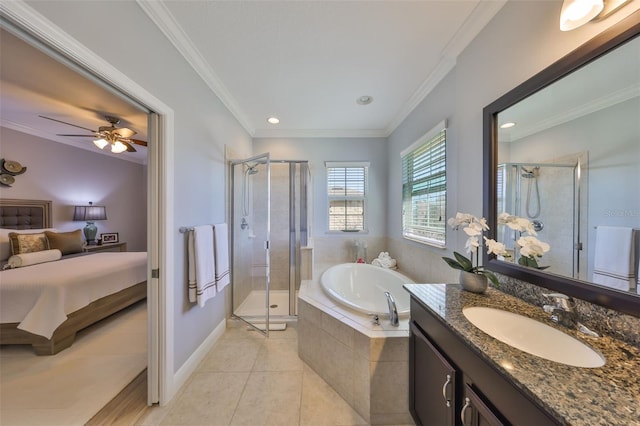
(9,169)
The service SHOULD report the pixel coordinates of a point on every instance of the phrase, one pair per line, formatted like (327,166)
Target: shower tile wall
(279,237)
(243,247)
(556,213)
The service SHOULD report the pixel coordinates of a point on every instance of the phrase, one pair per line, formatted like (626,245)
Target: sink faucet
(393,310)
(563,312)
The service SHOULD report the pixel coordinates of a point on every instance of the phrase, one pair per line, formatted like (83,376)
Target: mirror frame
(608,40)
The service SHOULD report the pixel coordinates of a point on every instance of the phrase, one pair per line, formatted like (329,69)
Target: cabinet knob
(444,390)
(467,403)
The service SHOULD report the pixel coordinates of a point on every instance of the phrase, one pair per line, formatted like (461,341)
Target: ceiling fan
(119,138)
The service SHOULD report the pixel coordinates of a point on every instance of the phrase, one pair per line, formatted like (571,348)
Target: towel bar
(185,229)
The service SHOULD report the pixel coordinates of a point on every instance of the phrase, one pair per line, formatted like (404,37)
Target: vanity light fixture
(576,13)
(273,120)
(507,125)
(364,100)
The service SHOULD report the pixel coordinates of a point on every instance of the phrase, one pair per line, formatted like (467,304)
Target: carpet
(72,386)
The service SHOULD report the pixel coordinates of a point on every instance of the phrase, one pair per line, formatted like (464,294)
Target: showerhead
(530,174)
(252,170)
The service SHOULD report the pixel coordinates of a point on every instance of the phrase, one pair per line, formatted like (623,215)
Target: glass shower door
(251,228)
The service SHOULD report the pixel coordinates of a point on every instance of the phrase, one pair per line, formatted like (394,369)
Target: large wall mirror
(570,163)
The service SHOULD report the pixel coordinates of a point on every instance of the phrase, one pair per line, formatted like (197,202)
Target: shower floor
(254,304)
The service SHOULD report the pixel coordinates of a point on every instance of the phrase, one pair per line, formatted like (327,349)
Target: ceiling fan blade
(82,136)
(124,132)
(138,142)
(64,122)
(130,147)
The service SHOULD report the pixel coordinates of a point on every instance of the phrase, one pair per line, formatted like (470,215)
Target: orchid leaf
(463,261)
(453,263)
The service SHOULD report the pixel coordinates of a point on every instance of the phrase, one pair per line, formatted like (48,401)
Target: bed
(45,304)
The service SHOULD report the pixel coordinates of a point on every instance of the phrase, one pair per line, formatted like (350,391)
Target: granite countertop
(608,395)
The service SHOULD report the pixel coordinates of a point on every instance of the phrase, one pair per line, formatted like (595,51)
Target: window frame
(426,139)
(348,164)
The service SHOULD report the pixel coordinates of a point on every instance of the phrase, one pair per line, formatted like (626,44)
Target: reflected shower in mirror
(563,150)
(570,161)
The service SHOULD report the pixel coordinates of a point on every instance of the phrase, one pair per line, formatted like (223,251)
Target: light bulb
(100,143)
(118,147)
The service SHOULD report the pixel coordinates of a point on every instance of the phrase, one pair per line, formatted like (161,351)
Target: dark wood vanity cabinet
(451,385)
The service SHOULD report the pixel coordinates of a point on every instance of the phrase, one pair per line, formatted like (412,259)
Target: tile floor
(247,379)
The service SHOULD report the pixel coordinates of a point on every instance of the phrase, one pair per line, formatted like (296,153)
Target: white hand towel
(614,262)
(221,253)
(202,273)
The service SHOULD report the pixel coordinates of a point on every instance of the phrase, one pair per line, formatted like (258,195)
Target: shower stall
(552,196)
(270,231)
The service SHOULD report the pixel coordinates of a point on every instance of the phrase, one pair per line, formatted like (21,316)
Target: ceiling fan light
(118,147)
(576,13)
(100,143)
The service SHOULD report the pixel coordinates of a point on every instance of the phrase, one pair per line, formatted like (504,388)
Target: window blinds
(424,189)
(346,190)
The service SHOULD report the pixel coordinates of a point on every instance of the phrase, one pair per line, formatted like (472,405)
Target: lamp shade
(90,213)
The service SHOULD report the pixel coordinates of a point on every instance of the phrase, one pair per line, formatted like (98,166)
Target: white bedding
(40,297)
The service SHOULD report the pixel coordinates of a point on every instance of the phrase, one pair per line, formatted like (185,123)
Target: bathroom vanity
(461,376)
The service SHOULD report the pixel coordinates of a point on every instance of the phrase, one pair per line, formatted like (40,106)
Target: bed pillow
(28,243)
(5,243)
(66,242)
(33,258)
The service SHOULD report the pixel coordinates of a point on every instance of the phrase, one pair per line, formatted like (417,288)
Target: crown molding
(164,20)
(609,100)
(320,133)
(475,22)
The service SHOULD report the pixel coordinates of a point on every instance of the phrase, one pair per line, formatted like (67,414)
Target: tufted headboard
(25,214)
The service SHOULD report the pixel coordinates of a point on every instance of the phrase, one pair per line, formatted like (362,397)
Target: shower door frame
(266,160)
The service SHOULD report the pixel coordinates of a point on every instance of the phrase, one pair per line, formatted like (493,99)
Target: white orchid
(516,223)
(474,228)
(532,247)
(495,247)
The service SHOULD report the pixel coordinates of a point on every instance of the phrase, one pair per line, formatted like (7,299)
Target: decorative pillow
(66,242)
(5,243)
(27,259)
(28,243)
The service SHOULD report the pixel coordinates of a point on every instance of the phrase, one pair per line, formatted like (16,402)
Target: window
(346,191)
(424,188)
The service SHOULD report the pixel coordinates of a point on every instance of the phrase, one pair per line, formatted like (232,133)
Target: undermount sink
(533,337)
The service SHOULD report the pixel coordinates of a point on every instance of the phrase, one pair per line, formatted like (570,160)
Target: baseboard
(189,367)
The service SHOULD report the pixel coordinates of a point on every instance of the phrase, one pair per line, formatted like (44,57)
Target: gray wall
(70,176)
(521,40)
(202,128)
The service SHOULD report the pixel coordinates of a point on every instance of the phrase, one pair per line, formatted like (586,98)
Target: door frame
(160,170)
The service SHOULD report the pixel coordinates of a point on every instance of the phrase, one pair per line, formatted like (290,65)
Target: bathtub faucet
(393,310)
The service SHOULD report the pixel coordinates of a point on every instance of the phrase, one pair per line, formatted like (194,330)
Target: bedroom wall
(70,176)
(520,41)
(202,128)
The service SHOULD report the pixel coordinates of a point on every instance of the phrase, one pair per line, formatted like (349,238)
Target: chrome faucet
(563,312)
(393,310)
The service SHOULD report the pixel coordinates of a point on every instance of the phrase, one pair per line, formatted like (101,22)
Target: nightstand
(106,247)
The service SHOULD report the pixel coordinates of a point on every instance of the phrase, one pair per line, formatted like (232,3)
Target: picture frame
(110,237)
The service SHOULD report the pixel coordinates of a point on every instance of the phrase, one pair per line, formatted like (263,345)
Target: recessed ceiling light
(364,100)
(273,120)
(508,125)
